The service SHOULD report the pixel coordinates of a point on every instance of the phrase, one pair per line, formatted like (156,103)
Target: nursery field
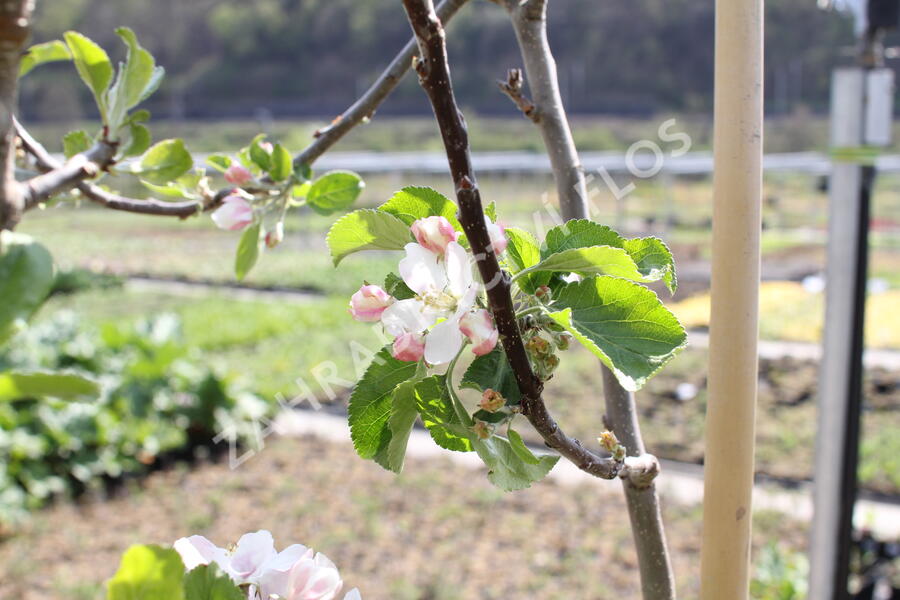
(481,542)
(268,341)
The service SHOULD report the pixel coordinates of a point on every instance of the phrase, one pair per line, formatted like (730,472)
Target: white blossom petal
(253,551)
(406,316)
(459,269)
(443,342)
(422,270)
(197,550)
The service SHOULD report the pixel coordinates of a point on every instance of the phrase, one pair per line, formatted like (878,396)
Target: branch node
(512,87)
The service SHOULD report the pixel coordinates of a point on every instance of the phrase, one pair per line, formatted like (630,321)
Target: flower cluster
(295,573)
(433,324)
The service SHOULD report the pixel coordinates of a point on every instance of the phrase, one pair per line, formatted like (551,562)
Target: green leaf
(624,324)
(209,582)
(247,251)
(413,203)
(140,140)
(92,64)
(506,467)
(366,229)
(141,115)
(75,142)
(654,260)
(403,417)
(16,385)
(165,161)
(334,192)
(138,77)
(436,408)
(219,162)
(490,211)
(26,278)
(371,401)
(280,166)
(260,157)
(397,288)
(300,191)
(43,53)
(523,251)
(148,573)
(579,233)
(594,260)
(173,189)
(518,446)
(492,371)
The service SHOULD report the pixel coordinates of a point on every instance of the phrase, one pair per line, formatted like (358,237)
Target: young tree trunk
(530,23)
(15,21)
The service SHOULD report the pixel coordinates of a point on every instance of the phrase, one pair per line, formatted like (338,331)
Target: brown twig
(434,76)
(512,87)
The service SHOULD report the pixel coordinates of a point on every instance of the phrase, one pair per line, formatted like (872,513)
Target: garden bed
(436,532)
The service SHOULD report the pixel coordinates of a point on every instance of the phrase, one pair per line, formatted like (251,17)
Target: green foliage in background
(155,397)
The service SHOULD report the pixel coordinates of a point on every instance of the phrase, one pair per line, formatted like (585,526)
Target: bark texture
(530,23)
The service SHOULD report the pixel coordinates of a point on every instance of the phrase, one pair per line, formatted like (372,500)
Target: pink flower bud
(266,147)
(238,174)
(274,237)
(434,233)
(234,214)
(479,328)
(497,233)
(369,302)
(409,347)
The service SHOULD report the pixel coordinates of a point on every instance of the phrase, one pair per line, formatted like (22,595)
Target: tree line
(295,58)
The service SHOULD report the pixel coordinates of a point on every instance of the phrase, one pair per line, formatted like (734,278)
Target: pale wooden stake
(731,409)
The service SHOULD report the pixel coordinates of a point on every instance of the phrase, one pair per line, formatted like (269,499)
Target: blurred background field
(297,317)
(151,306)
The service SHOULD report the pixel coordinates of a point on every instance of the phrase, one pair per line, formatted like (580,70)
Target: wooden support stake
(731,409)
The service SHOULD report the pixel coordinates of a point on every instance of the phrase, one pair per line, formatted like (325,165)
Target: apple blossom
(238,174)
(434,233)
(295,573)
(313,578)
(254,559)
(478,326)
(369,303)
(497,233)
(234,214)
(445,289)
(409,347)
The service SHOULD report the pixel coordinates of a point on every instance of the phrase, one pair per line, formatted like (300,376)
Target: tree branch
(512,87)
(365,106)
(15,27)
(434,76)
(46,163)
(84,165)
(77,169)
(530,23)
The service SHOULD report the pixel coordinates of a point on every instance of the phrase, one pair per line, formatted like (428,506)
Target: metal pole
(733,366)
(827,548)
(861,118)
